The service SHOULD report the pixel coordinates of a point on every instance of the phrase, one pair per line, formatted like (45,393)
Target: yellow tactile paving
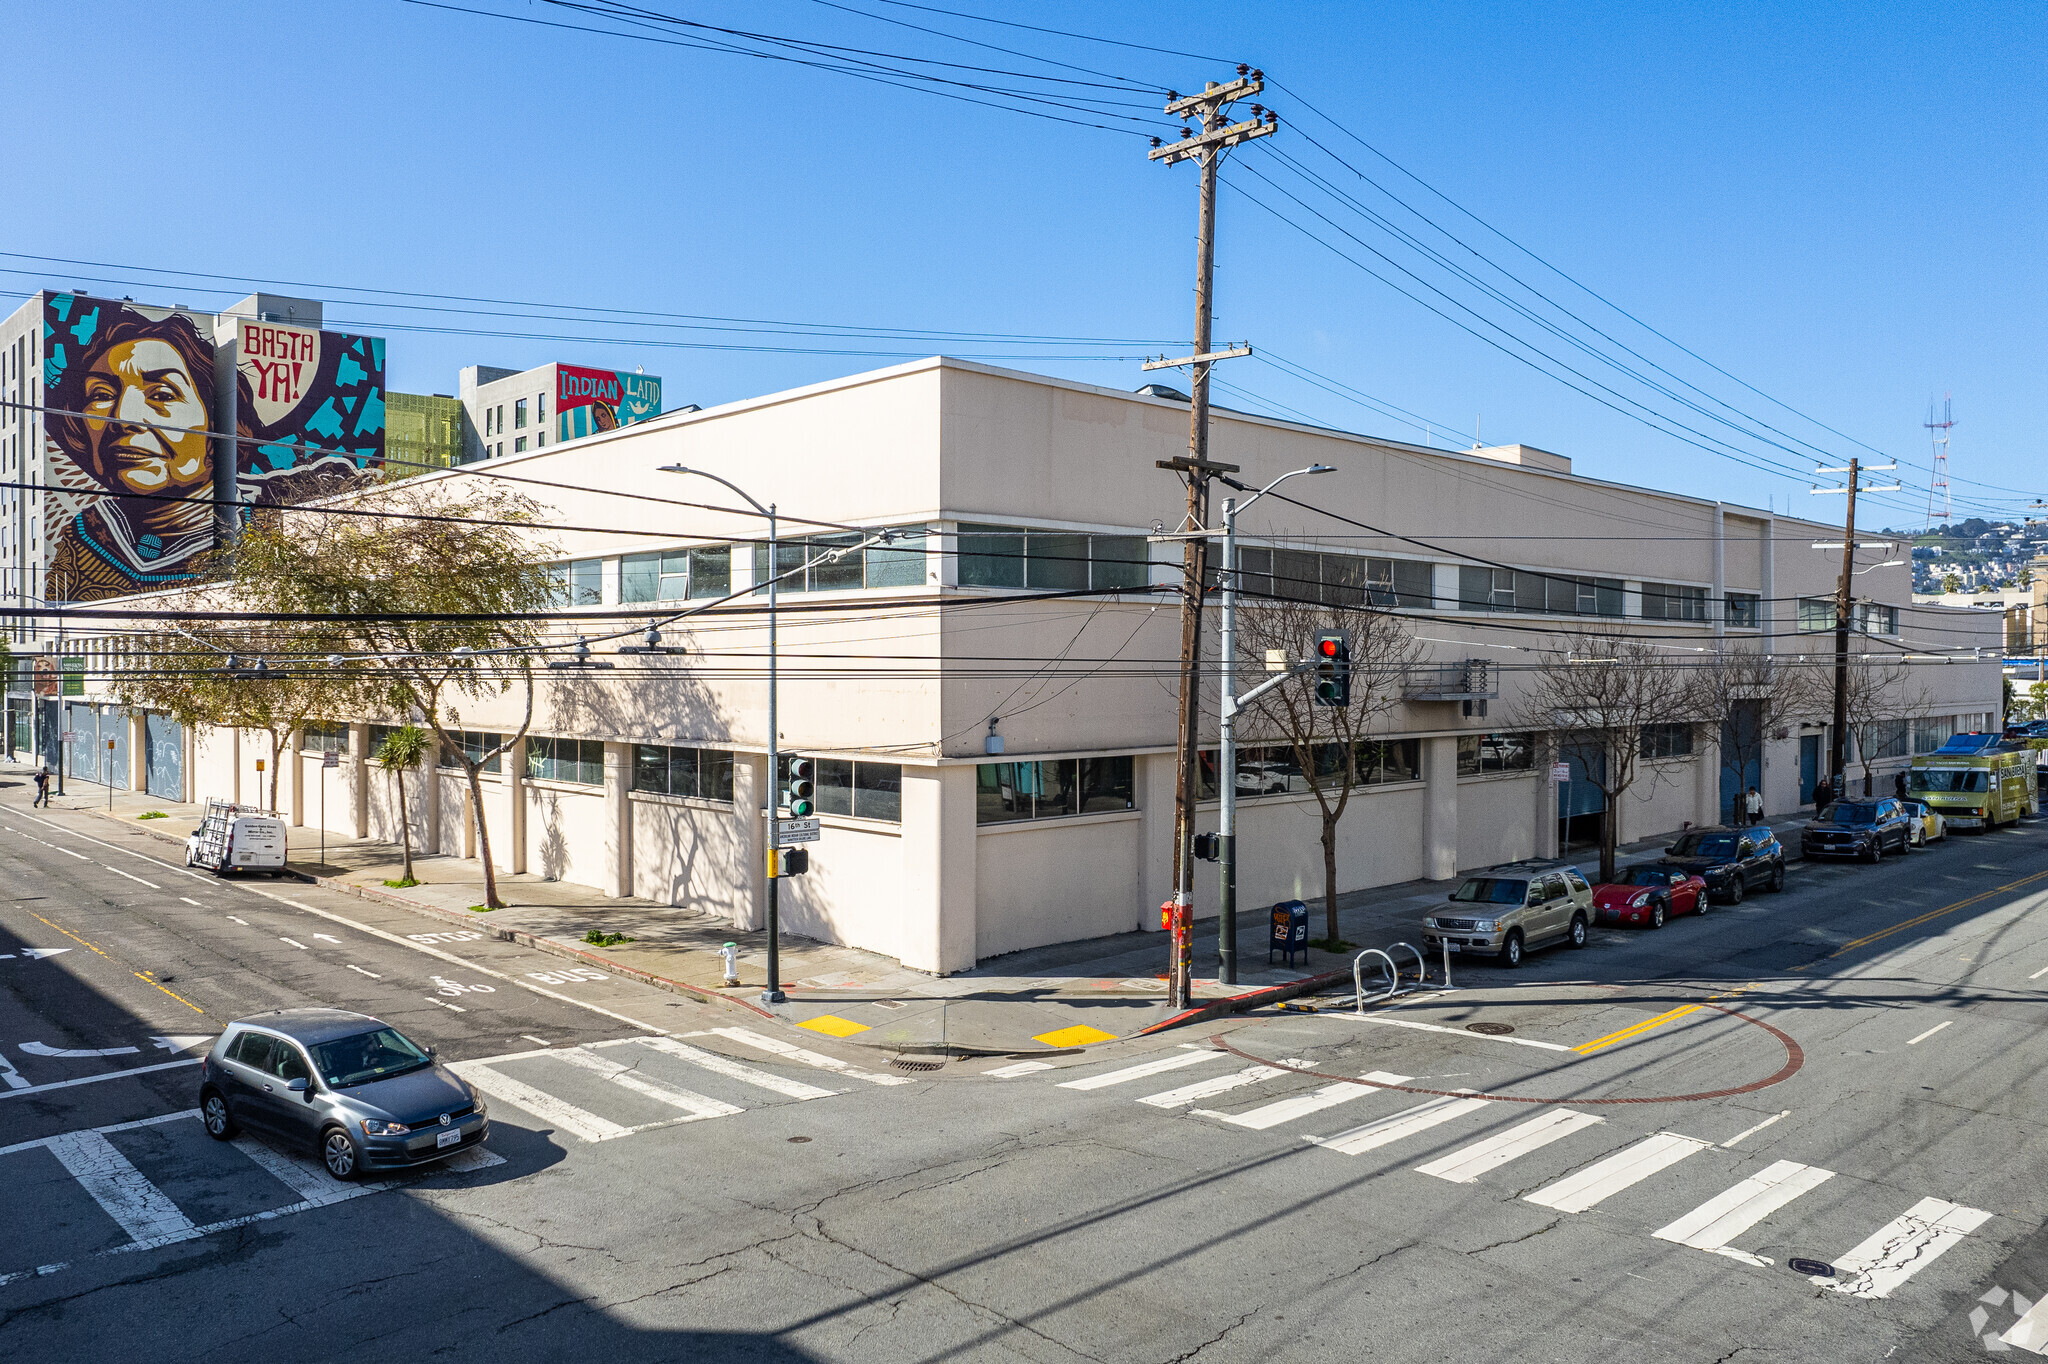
(832,1025)
(1080,1035)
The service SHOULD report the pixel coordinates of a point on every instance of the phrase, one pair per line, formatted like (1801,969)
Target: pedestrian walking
(1899,784)
(42,788)
(1753,807)
(1823,795)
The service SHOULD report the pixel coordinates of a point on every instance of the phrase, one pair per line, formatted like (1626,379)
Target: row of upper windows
(494,416)
(1818,613)
(1017,557)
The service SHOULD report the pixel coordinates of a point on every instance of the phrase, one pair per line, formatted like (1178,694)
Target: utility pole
(1838,737)
(1204,142)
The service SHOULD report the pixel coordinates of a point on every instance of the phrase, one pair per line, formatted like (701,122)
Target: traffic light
(1208,847)
(801,787)
(1333,668)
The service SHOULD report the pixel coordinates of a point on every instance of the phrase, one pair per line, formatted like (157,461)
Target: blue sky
(1840,206)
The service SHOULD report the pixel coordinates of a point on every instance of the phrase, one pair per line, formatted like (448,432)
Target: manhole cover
(1819,1269)
(918,1062)
(1489,1029)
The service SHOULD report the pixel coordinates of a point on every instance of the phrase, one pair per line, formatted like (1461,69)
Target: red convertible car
(1645,896)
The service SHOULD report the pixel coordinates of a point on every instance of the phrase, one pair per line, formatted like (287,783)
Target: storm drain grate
(918,1062)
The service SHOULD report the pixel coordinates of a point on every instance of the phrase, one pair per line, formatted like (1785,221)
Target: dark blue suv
(1733,862)
(1858,828)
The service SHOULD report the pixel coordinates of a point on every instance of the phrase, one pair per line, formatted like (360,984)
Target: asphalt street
(1806,1127)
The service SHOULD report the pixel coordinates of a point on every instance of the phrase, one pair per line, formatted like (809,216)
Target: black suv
(1731,861)
(1858,828)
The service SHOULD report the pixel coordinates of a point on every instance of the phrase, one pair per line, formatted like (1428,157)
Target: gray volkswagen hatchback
(358,1091)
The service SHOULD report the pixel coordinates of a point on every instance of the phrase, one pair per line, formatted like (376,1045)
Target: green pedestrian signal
(1333,669)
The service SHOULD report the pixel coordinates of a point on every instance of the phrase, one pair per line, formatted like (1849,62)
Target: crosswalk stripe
(1395,1126)
(1483,1157)
(675,1096)
(1012,1072)
(726,1066)
(1722,1218)
(1139,1072)
(314,1186)
(1902,1247)
(1576,1193)
(140,1208)
(1301,1105)
(1209,1089)
(777,1047)
(2030,1332)
(546,1107)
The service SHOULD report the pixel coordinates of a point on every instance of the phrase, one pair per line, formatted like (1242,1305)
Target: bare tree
(1747,695)
(1332,748)
(1601,694)
(1884,700)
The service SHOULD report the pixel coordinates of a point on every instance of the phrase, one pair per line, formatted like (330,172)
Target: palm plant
(404,747)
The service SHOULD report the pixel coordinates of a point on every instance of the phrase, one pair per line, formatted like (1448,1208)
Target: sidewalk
(1045,999)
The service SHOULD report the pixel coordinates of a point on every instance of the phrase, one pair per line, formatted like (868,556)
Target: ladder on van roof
(215,826)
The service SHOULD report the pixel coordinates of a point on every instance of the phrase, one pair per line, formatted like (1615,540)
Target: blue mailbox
(1290,931)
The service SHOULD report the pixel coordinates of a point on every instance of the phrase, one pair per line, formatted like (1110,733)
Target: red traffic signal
(1327,646)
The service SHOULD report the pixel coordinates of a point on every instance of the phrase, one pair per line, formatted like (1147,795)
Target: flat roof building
(1020,600)
(511,412)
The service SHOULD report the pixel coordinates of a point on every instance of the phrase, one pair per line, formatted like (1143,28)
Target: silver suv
(360,1092)
(1509,910)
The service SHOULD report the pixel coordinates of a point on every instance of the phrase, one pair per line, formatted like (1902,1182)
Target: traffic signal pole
(1838,739)
(773,993)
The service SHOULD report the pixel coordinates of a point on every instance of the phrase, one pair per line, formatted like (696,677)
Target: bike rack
(1358,976)
(1421,965)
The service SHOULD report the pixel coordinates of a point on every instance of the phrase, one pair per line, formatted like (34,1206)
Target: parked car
(1646,896)
(1732,862)
(356,1090)
(1858,828)
(1928,825)
(1507,911)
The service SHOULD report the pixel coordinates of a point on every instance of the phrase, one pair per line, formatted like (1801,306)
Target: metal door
(85,749)
(114,727)
(1741,765)
(164,759)
(1809,766)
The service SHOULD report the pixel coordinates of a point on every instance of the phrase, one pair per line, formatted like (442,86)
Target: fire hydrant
(731,953)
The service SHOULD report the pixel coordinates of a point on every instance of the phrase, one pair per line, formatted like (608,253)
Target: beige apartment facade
(989,696)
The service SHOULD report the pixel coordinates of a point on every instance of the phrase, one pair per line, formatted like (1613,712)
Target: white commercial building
(1022,601)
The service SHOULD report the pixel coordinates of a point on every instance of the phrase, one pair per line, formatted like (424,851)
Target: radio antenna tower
(1937,491)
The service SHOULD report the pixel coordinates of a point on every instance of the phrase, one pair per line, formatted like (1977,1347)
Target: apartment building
(513,412)
(989,695)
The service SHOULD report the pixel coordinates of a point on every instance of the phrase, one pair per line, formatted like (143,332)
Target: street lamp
(773,994)
(1226,768)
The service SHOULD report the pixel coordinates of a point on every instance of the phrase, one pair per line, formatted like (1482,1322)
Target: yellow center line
(1588,1048)
(1931,914)
(137,974)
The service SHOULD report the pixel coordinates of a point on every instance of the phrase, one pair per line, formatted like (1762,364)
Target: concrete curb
(475,922)
(1272,994)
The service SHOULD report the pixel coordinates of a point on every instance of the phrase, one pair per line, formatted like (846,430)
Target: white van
(231,838)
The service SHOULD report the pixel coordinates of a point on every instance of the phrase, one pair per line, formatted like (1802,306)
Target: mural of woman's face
(136,396)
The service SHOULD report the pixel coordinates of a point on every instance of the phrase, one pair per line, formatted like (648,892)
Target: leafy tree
(1332,748)
(443,601)
(1951,582)
(255,672)
(1599,693)
(406,746)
